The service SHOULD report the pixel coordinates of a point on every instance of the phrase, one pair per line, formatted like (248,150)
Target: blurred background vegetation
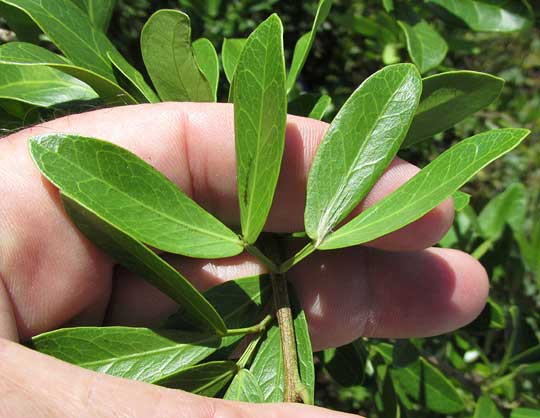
(493,365)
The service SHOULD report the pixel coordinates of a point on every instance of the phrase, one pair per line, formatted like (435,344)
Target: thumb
(33,384)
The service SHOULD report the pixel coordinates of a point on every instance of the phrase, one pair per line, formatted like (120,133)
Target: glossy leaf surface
(484,17)
(22,53)
(230,54)
(428,188)
(426,47)
(41,86)
(244,388)
(99,11)
(486,408)
(304,44)
(71,30)
(206,379)
(141,260)
(208,62)
(133,353)
(448,98)
(169,58)
(260,112)
(131,195)
(362,140)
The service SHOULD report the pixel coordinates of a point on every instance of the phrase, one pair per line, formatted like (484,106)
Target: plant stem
(295,259)
(254,251)
(293,388)
(254,329)
(249,352)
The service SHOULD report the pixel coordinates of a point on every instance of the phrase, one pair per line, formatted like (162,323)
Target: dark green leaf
(390,404)
(362,140)
(461,200)
(267,367)
(131,195)
(143,261)
(72,32)
(230,54)
(525,413)
(346,364)
(41,86)
(426,47)
(426,384)
(169,58)
(18,21)
(207,60)
(303,46)
(244,388)
(206,379)
(99,11)
(260,112)
(27,54)
(133,353)
(508,207)
(448,98)
(404,354)
(482,16)
(428,188)
(486,408)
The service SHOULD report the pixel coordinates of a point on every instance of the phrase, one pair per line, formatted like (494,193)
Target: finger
(347,294)
(53,388)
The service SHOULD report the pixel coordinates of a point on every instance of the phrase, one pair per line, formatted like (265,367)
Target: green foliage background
(499,354)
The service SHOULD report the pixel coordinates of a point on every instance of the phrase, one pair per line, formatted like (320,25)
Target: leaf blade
(244,388)
(208,62)
(230,54)
(99,11)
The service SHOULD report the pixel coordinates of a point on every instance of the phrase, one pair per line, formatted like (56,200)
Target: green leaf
(428,188)
(426,47)
(131,195)
(362,140)
(133,353)
(260,113)
(135,82)
(404,354)
(244,388)
(99,11)
(41,86)
(448,98)
(71,30)
(390,404)
(486,408)
(208,62)
(321,107)
(170,60)
(461,200)
(267,367)
(484,17)
(304,44)
(143,261)
(21,53)
(424,383)
(19,22)
(508,207)
(230,54)
(206,379)
(525,413)
(346,364)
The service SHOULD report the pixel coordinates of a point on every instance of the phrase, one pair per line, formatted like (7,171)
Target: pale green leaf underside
(147,264)
(208,62)
(304,44)
(230,54)
(99,11)
(41,86)
(244,388)
(22,53)
(461,200)
(131,195)
(169,58)
(426,47)
(362,140)
(204,379)
(132,353)
(427,189)
(484,17)
(448,98)
(267,367)
(260,112)
(72,32)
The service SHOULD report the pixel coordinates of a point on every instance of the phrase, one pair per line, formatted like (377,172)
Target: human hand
(52,276)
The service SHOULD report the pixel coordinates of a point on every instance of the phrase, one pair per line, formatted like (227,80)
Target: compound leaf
(208,62)
(362,140)
(131,195)
(260,113)
(244,388)
(170,60)
(132,353)
(427,189)
(448,98)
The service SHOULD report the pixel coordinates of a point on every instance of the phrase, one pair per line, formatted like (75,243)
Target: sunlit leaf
(207,59)
(230,54)
(244,388)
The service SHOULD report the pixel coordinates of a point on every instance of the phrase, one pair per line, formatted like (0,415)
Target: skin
(50,275)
